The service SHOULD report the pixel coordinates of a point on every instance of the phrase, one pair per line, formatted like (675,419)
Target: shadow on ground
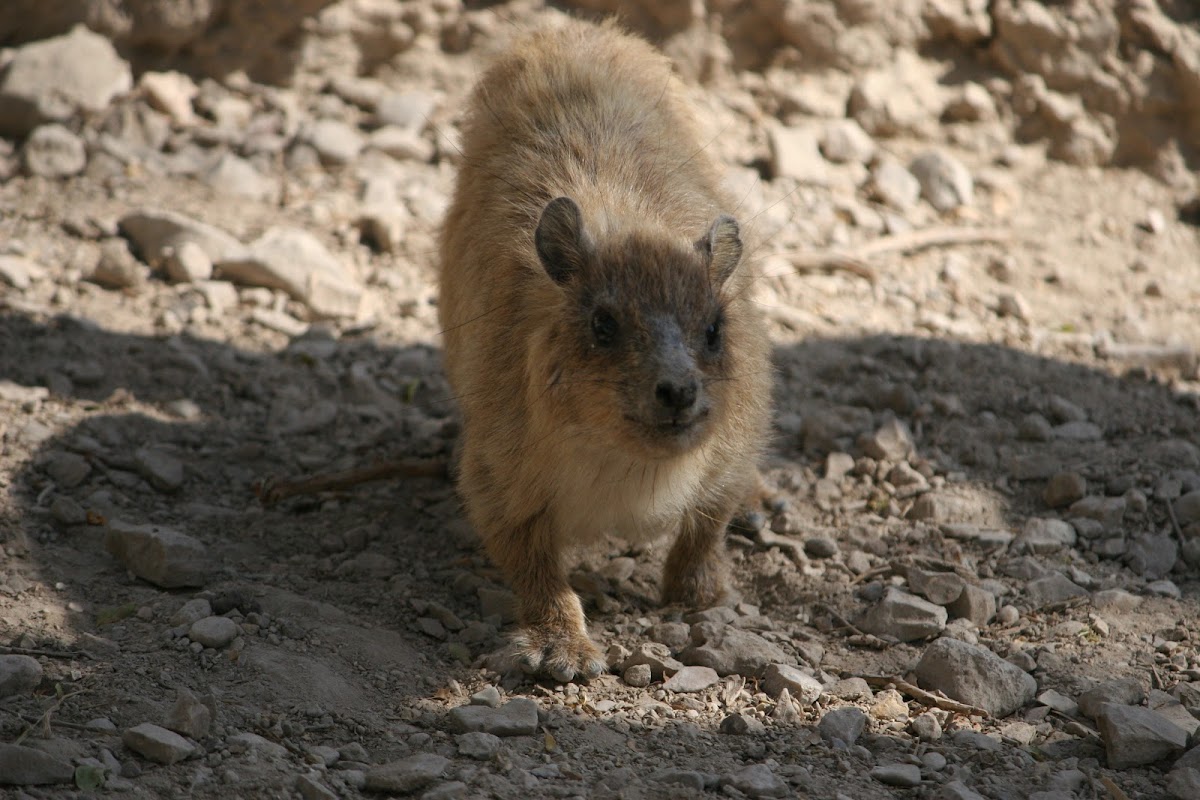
(338,583)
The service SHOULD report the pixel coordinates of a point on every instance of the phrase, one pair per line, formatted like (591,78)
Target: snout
(669,403)
(677,405)
(677,396)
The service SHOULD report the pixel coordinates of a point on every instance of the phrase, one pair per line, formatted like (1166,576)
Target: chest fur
(637,500)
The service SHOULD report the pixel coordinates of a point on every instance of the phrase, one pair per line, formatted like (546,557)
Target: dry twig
(1150,355)
(44,720)
(854,261)
(922,696)
(30,651)
(1174,520)
(1114,791)
(766,537)
(272,490)
(871,574)
(857,636)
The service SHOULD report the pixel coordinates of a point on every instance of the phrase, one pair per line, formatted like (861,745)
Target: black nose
(676,396)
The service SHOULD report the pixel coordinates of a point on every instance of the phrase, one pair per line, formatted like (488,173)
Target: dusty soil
(364,616)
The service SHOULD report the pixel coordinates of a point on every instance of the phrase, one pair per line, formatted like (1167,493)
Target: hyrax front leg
(553,638)
(695,573)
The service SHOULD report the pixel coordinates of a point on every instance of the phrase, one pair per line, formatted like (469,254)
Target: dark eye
(712,335)
(604,328)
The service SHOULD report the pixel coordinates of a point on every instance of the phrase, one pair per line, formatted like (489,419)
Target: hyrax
(611,369)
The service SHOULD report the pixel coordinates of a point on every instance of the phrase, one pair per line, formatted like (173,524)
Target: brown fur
(563,439)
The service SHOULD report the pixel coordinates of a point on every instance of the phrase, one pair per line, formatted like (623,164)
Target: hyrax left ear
(723,247)
(563,245)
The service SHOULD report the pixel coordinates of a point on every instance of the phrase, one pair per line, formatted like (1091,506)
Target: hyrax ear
(723,247)
(563,246)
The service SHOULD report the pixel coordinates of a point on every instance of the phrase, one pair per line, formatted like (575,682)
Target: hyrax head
(648,344)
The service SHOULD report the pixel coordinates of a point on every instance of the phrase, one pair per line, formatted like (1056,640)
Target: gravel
(970,421)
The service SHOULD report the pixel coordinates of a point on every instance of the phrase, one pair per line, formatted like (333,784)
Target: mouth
(671,429)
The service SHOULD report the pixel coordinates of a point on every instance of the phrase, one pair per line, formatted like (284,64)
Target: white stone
(171,93)
(157,744)
(214,632)
(53,79)
(795,153)
(20,273)
(52,151)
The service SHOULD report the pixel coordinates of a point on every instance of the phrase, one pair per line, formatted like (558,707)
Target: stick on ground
(922,696)
(272,490)
(854,261)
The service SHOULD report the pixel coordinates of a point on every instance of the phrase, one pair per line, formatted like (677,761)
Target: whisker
(491,310)
(700,149)
(746,196)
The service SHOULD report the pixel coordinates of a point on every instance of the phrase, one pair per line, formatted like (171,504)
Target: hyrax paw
(563,656)
(703,587)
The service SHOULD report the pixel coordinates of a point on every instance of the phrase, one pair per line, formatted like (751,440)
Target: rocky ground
(977,224)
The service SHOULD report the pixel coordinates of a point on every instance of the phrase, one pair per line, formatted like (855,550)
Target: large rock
(171,93)
(691,679)
(904,617)
(163,556)
(757,780)
(200,37)
(945,181)
(517,717)
(156,234)
(237,176)
(25,766)
(52,151)
(52,80)
(19,272)
(1042,535)
(654,655)
(215,632)
(1187,508)
(157,743)
(900,98)
(1184,783)
(337,143)
(844,141)
(18,675)
(842,724)
(189,716)
(780,678)
(1135,736)
(407,775)
(730,650)
(893,441)
(975,675)
(893,185)
(1051,589)
(160,468)
(295,261)
(1122,692)
(795,153)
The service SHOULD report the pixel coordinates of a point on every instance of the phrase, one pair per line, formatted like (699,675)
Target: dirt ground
(1043,326)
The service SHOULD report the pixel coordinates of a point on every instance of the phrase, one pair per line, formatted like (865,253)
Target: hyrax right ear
(563,246)
(723,246)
